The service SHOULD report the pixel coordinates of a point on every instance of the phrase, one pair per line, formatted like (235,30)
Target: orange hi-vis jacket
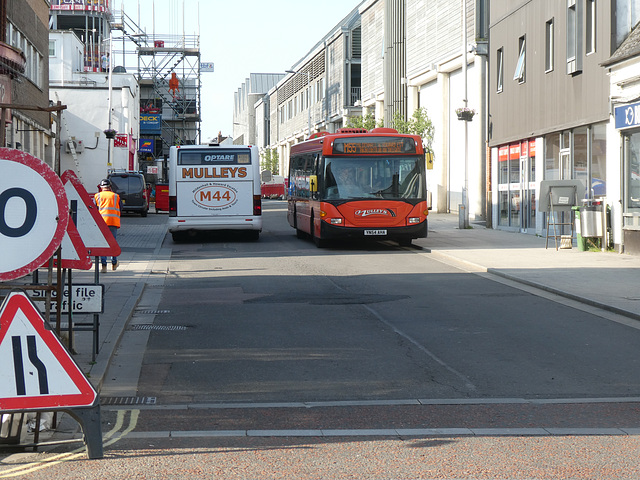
(108,204)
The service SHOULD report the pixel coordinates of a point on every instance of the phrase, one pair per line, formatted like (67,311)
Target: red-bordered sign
(33,213)
(37,371)
(93,230)
(74,253)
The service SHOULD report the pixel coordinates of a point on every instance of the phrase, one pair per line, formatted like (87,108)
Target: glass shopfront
(631,160)
(579,153)
(516,185)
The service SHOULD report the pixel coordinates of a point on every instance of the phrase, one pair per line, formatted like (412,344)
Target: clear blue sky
(240,37)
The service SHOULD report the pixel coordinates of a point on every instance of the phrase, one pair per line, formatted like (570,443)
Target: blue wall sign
(151,123)
(146,145)
(627,116)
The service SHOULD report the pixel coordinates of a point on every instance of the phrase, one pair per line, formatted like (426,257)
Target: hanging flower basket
(466,114)
(110,133)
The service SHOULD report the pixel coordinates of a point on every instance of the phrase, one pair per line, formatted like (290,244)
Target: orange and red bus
(359,185)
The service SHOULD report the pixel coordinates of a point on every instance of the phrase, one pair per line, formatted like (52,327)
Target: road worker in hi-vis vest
(108,203)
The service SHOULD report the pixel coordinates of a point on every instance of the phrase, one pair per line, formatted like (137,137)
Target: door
(524,189)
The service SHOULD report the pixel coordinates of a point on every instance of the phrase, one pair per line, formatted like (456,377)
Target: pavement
(606,280)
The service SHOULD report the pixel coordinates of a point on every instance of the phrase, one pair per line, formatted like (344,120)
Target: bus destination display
(368,146)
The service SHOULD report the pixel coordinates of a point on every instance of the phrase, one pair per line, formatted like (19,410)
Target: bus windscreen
(373,177)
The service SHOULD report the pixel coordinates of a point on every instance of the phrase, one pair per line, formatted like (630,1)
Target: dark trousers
(114,260)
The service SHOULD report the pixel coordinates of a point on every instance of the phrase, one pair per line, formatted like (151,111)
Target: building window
(549,46)
(500,72)
(52,48)
(574,37)
(519,74)
(590,13)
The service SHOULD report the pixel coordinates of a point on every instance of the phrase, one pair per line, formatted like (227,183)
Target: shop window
(552,157)
(599,160)
(632,173)
(580,160)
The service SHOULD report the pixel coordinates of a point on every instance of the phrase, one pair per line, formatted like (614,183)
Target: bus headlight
(413,220)
(336,221)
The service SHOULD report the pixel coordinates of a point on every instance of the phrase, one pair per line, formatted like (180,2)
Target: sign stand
(89,420)
(41,375)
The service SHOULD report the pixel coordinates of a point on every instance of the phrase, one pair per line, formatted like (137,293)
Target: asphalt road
(276,359)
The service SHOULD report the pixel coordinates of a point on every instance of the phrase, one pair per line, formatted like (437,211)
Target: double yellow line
(108,439)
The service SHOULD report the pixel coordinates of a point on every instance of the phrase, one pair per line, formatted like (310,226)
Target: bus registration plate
(375,232)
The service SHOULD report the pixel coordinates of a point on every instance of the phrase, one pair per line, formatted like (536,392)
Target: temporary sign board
(85,298)
(34,213)
(38,372)
(93,230)
(73,252)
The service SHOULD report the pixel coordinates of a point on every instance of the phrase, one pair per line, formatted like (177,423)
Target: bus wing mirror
(429,158)
(313,183)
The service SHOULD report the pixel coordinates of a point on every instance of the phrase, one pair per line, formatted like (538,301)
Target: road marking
(377,403)
(109,438)
(467,383)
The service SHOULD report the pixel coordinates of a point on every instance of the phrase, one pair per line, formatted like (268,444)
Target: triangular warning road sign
(37,371)
(92,228)
(74,253)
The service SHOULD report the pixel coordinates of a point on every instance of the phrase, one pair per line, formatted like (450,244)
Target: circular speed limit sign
(34,213)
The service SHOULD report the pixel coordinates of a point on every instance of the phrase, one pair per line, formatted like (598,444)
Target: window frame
(574,37)
(500,70)
(549,60)
(590,26)
(520,73)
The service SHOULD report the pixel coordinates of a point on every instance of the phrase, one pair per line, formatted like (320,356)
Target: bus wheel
(299,233)
(317,240)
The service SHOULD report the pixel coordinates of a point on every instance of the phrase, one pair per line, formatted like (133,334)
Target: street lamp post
(308,99)
(464,220)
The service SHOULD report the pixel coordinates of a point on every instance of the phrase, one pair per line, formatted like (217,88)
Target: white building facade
(88,97)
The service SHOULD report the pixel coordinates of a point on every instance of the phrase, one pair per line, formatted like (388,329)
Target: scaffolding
(168,72)
(170,85)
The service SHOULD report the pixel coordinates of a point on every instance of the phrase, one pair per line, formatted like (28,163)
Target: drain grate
(150,326)
(128,401)
(152,312)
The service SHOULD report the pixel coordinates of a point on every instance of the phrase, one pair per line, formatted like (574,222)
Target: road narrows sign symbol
(37,371)
(33,213)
